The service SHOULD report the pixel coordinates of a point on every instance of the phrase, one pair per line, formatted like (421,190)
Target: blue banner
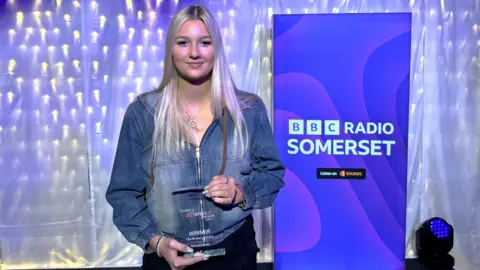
(341,103)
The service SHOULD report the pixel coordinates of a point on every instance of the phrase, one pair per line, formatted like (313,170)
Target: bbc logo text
(334,127)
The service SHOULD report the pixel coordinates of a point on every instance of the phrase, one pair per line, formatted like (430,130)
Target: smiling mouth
(195,64)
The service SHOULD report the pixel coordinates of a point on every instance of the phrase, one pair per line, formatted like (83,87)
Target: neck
(194,93)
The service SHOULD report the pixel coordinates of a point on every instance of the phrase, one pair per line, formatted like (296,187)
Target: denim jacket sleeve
(126,191)
(262,185)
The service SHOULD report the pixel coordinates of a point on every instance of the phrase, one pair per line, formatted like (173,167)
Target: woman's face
(193,52)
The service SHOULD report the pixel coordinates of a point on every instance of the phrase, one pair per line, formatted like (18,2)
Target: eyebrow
(185,37)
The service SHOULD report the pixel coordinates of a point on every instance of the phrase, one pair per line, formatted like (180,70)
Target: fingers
(177,262)
(221,190)
(225,197)
(219,180)
(225,201)
(219,193)
(174,244)
(181,261)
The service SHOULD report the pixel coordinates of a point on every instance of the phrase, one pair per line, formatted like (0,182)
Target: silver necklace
(192,123)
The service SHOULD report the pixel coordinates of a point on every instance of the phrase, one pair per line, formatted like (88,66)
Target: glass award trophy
(198,219)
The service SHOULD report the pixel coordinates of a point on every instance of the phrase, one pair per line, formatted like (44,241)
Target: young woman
(194,158)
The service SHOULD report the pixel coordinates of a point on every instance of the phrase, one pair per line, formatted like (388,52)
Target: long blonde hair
(171,130)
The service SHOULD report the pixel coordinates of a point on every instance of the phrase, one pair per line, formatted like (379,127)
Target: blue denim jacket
(173,204)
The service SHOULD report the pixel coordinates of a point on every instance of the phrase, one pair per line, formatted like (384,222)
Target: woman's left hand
(223,190)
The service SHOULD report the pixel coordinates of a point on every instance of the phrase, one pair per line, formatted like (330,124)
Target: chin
(196,77)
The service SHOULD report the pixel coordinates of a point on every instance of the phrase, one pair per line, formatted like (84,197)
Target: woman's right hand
(169,249)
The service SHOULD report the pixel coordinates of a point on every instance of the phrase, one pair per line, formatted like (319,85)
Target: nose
(194,52)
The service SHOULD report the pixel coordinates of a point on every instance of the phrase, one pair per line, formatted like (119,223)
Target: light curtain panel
(68,70)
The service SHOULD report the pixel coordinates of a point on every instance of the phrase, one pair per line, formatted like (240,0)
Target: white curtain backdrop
(68,69)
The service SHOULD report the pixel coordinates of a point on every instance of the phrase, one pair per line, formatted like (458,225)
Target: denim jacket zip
(199,180)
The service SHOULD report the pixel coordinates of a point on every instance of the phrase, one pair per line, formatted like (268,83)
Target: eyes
(184,42)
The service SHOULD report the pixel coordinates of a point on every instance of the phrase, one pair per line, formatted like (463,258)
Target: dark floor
(411,264)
